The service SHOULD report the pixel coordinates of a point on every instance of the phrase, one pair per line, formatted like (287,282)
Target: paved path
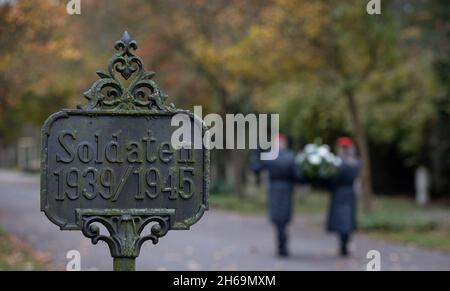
(220,241)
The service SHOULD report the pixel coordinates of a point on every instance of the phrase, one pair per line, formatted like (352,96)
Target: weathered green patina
(111,162)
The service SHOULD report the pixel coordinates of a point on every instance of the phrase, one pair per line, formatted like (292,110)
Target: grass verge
(393,218)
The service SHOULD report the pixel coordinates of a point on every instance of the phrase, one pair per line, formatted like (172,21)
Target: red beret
(345,141)
(281,137)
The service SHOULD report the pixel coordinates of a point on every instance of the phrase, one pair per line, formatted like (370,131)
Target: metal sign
(112,163)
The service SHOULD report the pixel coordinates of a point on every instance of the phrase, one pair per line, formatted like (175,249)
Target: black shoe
(344,252)
(283,252)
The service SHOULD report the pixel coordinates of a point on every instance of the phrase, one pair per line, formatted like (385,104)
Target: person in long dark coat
(283,173)
(342,211)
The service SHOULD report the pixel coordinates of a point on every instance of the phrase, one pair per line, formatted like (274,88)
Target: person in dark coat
(283,173)
(342,211)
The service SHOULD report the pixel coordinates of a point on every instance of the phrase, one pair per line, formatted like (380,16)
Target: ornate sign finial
(111,92)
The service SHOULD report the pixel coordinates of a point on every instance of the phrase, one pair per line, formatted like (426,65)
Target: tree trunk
(421,181)
(238,166)
(220,161)
(360,134)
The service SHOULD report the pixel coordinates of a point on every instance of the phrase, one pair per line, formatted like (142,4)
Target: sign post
(111,163)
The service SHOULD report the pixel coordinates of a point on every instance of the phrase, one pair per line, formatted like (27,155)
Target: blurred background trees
(327,67)
(32,48)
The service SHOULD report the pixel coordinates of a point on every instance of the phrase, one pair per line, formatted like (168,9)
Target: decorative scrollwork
(111,93)
(124,239)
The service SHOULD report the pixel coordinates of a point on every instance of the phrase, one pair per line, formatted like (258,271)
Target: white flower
(314,159)
(323,150)
(310,148)
(329,157)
